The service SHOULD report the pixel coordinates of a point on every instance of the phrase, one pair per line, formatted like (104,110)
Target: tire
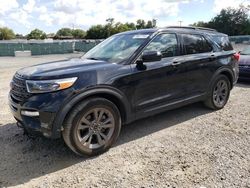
(92,127)
(219,93)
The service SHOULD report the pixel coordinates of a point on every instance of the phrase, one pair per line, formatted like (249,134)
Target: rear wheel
(219,93)
(92,127)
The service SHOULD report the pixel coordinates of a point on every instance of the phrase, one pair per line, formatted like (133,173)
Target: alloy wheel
(95,128)
(220,93)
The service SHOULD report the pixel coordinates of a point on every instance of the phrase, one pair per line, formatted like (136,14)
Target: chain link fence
(44,47)
(241,39)
(8,48)
(240,42)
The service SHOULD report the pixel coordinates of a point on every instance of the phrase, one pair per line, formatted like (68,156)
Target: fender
(88,92)
(223,70)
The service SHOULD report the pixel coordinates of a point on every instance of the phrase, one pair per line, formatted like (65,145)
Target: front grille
(18,89)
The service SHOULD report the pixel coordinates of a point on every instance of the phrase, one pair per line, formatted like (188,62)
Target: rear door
(199,61)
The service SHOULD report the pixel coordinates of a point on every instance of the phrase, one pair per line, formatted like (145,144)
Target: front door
(162,82)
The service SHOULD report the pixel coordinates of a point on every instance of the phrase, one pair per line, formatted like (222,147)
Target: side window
(223,42)
(165,43)
(194,44)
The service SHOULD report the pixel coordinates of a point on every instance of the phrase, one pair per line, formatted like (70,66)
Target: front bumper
(38,125)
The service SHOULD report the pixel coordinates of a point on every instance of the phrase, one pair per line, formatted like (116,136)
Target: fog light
(45,125)
(46,134)
(29,113)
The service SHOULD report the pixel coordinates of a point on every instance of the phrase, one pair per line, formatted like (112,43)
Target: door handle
(212,57)
(176,63)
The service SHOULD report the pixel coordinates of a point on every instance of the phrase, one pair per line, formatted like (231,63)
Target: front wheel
(219,93)
(92,127)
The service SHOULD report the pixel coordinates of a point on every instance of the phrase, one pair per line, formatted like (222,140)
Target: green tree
(200,24)
(119,27)
(151,24)
(36,34)
(140,24)
(97,32)
(131,26)
(6,33)
(112,27)
(109,26)
(64,32)
(78,33)
(230,21)
(110,21)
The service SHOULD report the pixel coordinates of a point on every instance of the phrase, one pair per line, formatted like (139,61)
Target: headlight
(43,86)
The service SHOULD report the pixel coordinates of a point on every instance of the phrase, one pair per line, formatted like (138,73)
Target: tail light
(236,56)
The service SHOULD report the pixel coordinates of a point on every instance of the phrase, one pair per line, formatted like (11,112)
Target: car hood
(57,69)
(244,60)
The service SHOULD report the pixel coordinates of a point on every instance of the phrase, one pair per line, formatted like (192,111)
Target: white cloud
(21,17)
(41,9)
(2,23)
(29,6)
(8,5)
(11,11)
(69,7)
(46,19)
(221,4)
(86,13)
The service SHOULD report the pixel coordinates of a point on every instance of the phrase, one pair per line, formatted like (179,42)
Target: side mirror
(151,56)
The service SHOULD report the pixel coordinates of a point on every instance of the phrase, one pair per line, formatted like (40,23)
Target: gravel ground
(188,147)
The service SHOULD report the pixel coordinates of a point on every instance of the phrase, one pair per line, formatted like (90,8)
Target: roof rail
(191,27)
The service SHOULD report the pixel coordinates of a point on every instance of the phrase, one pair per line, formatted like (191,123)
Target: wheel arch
(229,76)
(111,94)
(223,71)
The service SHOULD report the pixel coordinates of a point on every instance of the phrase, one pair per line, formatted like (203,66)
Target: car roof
(176,29)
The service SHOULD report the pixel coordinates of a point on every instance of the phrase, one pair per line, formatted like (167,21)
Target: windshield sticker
(140,36)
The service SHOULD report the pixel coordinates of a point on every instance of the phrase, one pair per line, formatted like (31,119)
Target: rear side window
(223,42)
(194,44)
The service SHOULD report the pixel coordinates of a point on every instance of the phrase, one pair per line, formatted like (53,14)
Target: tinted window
(194,44)
(223,42)
(164,43)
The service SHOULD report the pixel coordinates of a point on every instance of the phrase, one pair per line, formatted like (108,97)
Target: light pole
(154,22)
(180,22)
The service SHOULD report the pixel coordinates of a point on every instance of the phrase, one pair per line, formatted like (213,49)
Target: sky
(25,15)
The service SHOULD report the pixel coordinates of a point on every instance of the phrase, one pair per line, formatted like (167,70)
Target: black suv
(128,76)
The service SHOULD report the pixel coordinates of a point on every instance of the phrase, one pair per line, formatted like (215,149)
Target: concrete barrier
(26,53)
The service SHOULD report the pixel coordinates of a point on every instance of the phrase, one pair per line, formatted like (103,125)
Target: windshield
(117,48)
(246,51)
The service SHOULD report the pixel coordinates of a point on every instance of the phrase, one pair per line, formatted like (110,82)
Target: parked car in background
(128,76)
(244,64)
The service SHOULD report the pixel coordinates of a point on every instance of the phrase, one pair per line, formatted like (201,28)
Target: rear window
(195,44)
(223,42)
